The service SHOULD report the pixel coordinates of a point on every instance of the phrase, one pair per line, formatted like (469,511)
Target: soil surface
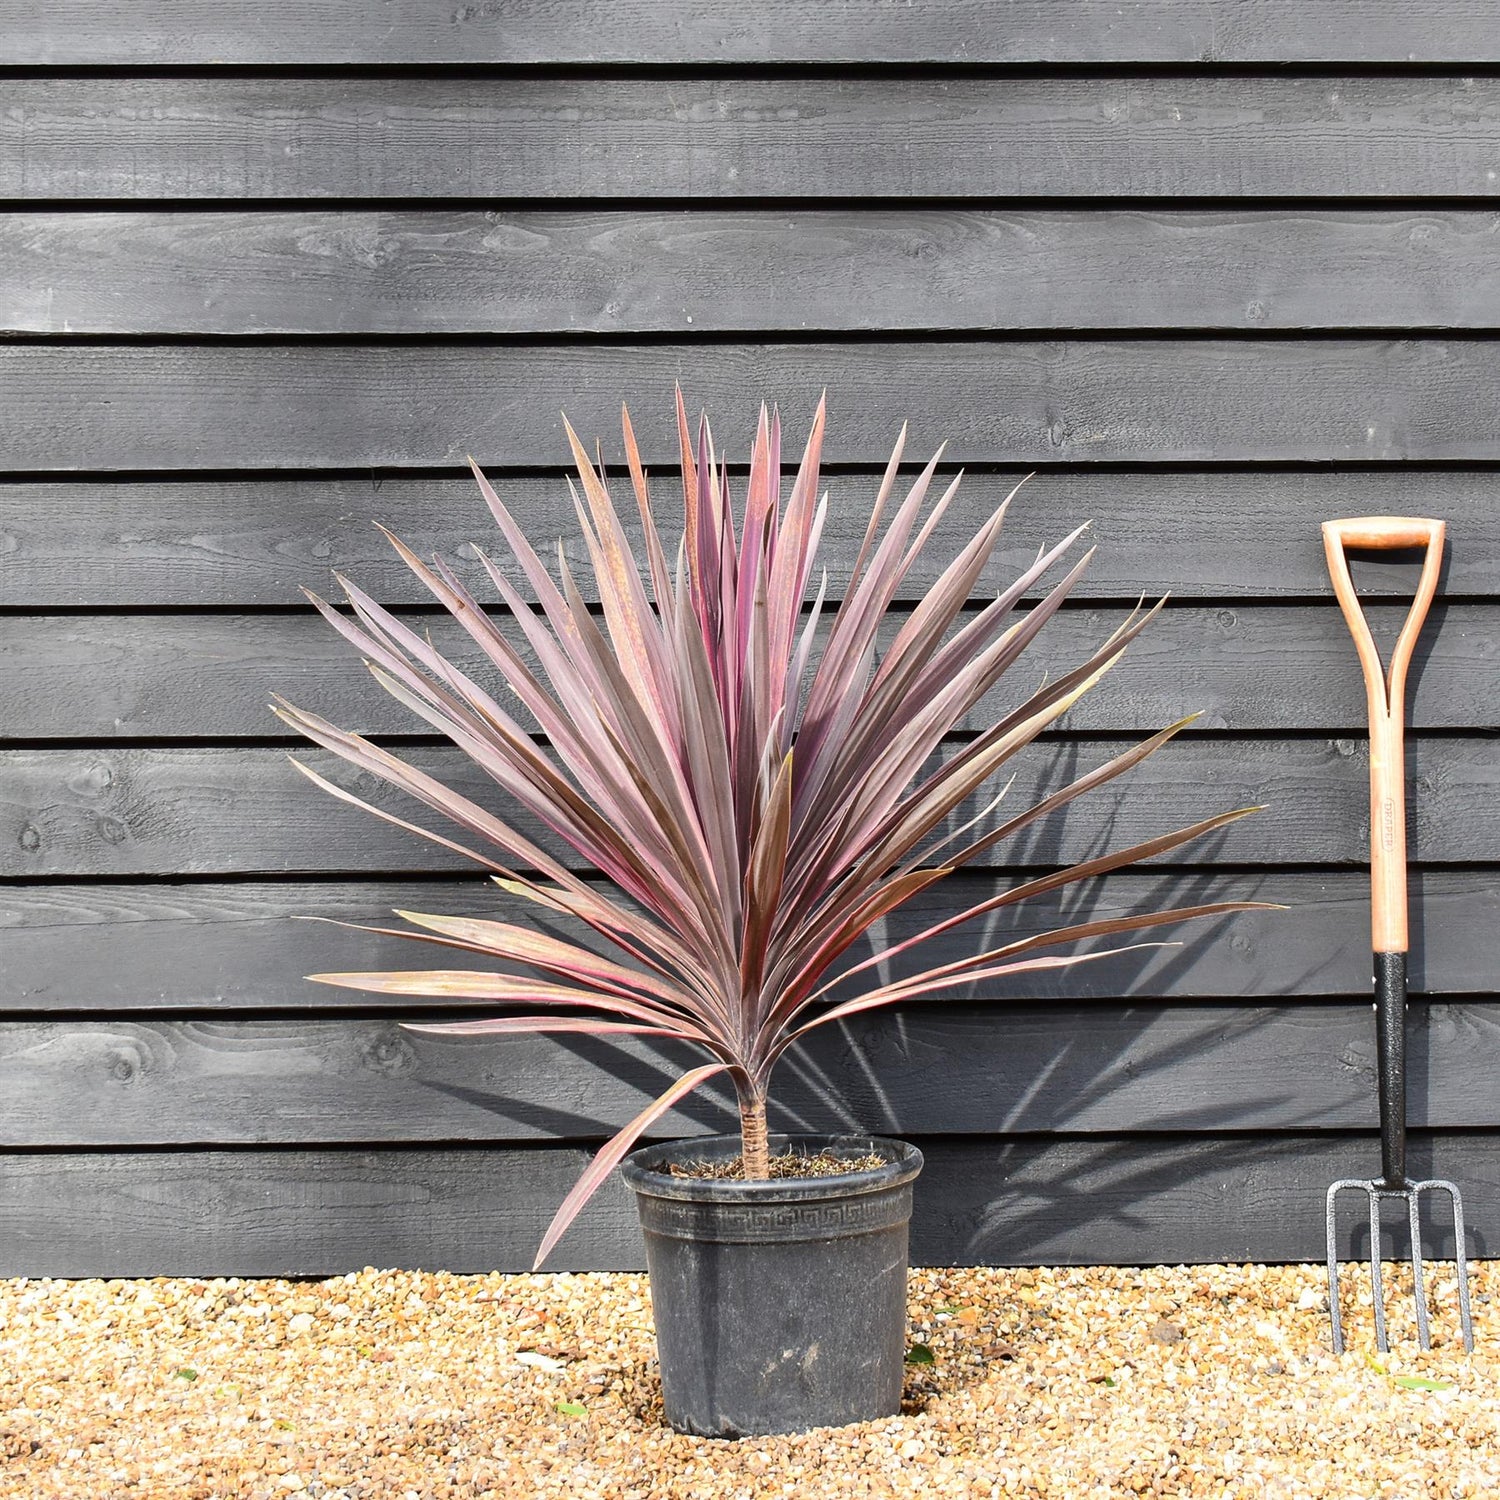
(788,1164)
(1071,1384)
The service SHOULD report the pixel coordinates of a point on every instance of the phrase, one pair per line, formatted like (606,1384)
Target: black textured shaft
(1390,1044)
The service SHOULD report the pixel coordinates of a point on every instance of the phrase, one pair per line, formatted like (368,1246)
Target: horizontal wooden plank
(111,407)
(445,272)
(299,1213)
(67,813)
(238,949)
(324,32)
(1189,1201)
(131,138)
(932,1069)
(1022,1202)
(256,542)
(1250,668)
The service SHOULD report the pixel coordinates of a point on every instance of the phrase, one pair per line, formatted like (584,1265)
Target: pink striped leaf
(754,779)
(613,1152)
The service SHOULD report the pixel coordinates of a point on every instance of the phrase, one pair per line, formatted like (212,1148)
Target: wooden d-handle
(1385,696)
(1379,532)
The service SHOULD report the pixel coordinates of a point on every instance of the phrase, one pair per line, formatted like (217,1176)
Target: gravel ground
(1205,1380)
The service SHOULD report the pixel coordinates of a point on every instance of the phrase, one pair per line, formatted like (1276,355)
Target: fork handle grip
(1385,700)
(1381,533)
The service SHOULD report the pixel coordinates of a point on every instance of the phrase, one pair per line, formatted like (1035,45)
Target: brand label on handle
(1388,823)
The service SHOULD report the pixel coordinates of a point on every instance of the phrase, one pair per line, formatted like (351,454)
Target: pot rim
(903,1163)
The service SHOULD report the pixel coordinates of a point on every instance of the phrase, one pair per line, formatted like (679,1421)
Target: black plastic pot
(779,1305)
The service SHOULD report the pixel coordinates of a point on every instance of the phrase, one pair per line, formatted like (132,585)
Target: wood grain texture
(1028,1201)
(703,270)
(764,208)
(1249,668)
(199,32)
(259,542)
(240,949)
(107,407)
(118,812)
(530,136)
(928,1069)
(1182,1200)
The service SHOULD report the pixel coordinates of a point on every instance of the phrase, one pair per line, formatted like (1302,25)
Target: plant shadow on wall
(763,779)
(938,1072)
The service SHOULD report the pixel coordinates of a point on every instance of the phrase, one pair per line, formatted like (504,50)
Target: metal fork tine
(1375,1191)
(1377,1290)
(1419,1292)
(1461,1266)
(1460,1255)
(1333,1266)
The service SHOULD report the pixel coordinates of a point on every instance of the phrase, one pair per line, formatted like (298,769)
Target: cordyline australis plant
(759,782)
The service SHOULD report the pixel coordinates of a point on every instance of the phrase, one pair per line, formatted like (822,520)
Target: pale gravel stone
(1046,1383)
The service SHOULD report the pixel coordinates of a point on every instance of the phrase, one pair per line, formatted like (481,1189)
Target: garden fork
(1385,695)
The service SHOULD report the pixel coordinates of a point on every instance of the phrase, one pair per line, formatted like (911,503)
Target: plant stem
(756,1154)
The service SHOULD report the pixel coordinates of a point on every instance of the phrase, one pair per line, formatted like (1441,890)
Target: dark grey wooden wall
(1218,270)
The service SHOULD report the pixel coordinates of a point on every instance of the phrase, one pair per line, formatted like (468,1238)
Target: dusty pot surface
(779,1305)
